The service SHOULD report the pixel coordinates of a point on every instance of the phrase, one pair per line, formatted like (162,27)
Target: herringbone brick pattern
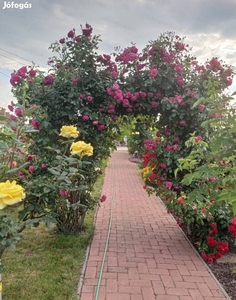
(148,257)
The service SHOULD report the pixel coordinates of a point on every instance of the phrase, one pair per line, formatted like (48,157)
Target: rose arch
(92,91)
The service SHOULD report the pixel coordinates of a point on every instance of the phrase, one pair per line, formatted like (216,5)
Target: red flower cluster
(219,248)
(232,227)
(222,248)
(214,229)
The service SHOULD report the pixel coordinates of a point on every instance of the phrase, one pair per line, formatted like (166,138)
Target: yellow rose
(10,193)
(69,131)
(81,148)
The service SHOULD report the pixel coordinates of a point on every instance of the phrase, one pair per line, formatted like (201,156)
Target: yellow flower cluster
(69,131)
(81,148)
(145,171)
(10,193)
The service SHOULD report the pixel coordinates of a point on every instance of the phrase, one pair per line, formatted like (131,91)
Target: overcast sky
(25,34)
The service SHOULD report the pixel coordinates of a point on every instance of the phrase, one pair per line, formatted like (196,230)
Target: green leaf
(53,172)
(199,101)
(234,208)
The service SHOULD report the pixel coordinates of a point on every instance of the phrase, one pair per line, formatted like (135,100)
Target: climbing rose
(201,107)
(162,165)
(198,138)
(44,166)
(153,73)
(10,107)
(74,80)
(32,73)
(19,112)
(71,34)
(14,79)
(85,118)
(155,104)
(48,80)
(31,168)
(101,127)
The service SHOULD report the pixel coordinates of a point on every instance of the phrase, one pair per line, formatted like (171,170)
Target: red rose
(211,242)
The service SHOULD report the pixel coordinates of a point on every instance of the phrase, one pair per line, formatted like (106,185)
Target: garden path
(148,256)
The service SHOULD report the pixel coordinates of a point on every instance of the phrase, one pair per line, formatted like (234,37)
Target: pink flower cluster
(129,100)
(22,73)
(64,193)
(175,100)
(85,97)
(129,54)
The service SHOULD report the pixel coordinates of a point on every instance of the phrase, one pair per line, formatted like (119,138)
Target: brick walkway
(148,257)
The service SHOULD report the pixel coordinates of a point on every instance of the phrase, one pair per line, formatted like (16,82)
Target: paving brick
(148,293)
(117,296)
(168,297)
(158,288)
(87,296)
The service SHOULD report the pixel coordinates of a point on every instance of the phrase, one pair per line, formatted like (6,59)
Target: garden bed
(224,269)
(226,275)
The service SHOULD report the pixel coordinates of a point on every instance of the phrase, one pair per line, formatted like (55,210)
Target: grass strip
(45,265)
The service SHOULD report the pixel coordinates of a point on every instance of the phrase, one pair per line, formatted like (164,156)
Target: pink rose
(22,72)
(155,104)
(62,41)
(11,108)
(114,74)
(198,138)
(101,127)
(182,123)
(153,73)
(74,80)
(89,98)
(95,123)
(32,73)
(14,163)
(201,107)
(31,168)
(85,118)
(29,158)
(77,39)
(162,165)
(19,112)
(48,80)
(115,86)
(71,34)
(14,79)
